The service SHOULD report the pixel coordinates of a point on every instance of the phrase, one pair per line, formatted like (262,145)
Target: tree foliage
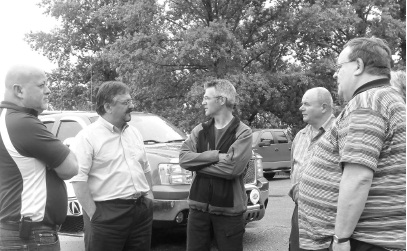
(273,51)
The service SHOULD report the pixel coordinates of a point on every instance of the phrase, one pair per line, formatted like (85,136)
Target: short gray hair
(374,52)
(225,89)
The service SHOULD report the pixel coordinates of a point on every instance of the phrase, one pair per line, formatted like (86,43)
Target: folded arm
(190,160)
(234,162)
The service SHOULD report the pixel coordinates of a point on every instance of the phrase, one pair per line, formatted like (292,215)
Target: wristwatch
(340,240)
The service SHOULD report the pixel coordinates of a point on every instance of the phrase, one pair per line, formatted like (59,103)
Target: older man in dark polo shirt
(33,198)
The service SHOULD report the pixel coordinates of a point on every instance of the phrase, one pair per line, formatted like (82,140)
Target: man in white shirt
(114,181)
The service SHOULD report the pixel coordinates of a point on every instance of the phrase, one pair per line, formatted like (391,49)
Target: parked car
(274,145)
(171,183)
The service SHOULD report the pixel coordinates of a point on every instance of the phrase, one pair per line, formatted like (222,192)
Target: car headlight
(254,196)
(173,174)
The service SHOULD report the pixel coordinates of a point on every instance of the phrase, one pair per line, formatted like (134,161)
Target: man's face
(344,74)
(35,93)
(121,107)
(311,109)
(210,102)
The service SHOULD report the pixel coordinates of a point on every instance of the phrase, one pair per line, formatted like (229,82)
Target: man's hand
(90,214)
(150,195)
(345,246)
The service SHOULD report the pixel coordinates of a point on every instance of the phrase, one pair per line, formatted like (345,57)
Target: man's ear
(18,90)
(108,108)
(360,66)
(324,108)
(223,102)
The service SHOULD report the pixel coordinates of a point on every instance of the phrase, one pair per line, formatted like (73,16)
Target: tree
(272,52)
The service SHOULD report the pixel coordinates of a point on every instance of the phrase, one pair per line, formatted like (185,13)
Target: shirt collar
(328,123)
(324,126)
(110,126)
(6,104)
(372,84)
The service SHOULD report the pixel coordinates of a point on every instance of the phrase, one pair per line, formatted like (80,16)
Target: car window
(281,137)
(267,137)
(155,129)
(254,136)
(49,125)
(67,129)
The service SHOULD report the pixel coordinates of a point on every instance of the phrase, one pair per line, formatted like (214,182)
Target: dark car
(171,183)
(274,145)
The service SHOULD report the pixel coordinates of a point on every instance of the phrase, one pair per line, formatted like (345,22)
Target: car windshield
(154,129)
(254,137)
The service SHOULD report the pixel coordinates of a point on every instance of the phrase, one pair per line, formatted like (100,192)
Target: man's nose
(335,76)
(47,90)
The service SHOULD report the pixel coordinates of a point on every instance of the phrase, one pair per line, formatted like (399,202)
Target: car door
(68,128)
(267,151)
(282,146)
(49,123)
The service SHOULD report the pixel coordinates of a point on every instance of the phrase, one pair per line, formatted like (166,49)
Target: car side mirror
(264,143)
(68,141)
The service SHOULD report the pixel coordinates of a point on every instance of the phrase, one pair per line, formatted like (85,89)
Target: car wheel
(269,176)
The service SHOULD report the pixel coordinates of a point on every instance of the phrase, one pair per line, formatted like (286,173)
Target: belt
(15,226)
(126,201)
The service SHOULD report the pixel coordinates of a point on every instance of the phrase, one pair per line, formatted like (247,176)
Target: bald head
(321,95)
(21,75)
(316,106)
(26,86)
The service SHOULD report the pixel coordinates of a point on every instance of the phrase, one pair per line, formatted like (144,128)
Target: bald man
(33,198)
(316,111)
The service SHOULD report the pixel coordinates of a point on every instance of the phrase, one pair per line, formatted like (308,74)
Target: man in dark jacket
(218,151)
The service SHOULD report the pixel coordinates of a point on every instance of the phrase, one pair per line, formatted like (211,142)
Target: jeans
(119,225)
(227,230)
(40,240)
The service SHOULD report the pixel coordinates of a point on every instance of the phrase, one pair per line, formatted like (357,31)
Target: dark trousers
(120,225)
(227,230)
(41,239)
(356,245)
(294,242)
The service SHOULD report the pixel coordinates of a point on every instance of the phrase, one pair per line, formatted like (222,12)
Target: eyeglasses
(206,98)
(339,66)
(126,102)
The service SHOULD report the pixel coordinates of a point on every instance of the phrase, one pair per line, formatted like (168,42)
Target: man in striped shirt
(316,110)
(353,190)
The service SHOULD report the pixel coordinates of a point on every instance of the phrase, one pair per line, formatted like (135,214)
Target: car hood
(165,150)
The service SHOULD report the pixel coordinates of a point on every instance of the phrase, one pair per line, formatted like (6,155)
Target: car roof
(82,113)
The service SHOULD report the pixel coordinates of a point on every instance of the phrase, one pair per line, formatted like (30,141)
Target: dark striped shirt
(370,131)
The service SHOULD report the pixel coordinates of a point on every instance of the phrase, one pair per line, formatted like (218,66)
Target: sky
(18,17)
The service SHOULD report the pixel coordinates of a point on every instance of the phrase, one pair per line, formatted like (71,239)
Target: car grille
(250,175)
(72,224)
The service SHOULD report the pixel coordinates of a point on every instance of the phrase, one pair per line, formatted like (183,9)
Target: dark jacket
(217,186)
